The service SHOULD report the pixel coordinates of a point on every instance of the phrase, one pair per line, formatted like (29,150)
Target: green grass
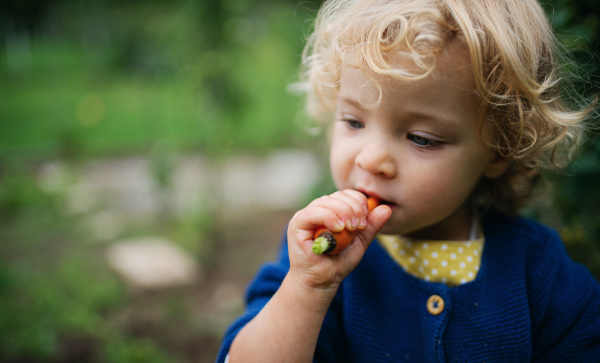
(43,110)
(156,83)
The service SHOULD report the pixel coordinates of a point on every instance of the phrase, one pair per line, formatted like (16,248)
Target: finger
(358,201)
(376,220)
(315,216)
(358,197)
(347,209)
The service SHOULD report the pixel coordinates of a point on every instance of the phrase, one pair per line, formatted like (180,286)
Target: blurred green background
(90,87)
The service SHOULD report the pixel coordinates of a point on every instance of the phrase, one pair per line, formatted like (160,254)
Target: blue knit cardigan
(529,302)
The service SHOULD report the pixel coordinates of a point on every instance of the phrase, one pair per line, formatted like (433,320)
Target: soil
(192,327)
(243,245)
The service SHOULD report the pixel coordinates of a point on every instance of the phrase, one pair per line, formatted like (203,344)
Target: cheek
(341,162)
(445,188)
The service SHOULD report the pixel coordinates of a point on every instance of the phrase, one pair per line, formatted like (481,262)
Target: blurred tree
(576,192)
(23,15)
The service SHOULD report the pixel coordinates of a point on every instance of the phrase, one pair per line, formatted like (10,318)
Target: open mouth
(381,200)
(389,204)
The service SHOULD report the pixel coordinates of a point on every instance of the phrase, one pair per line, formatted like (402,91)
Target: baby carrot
(333,243)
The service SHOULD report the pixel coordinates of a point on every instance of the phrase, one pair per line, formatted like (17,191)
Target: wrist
(316,298)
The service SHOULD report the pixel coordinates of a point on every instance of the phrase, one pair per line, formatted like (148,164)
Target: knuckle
(297,214)
(321,199)
(339,194)
(319,202)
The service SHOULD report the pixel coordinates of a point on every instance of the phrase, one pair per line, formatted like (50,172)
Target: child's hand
(345,209)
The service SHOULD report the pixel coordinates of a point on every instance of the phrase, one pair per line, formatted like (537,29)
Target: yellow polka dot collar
(450,262)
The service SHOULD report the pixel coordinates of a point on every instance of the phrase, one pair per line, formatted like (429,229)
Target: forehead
(449,90)
(447,93)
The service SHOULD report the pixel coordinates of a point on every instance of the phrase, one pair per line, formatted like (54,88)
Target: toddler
(446,111)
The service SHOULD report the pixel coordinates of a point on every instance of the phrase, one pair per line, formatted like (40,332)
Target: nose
(377,159)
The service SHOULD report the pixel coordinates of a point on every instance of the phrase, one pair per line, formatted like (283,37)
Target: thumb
(375,221)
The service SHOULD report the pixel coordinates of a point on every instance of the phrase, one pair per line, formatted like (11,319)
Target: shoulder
(531,252)
(522,237)
(563,296)
(539,253)
(495,223)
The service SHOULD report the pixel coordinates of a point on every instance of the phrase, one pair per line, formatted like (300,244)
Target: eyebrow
(441,121)
(354,102)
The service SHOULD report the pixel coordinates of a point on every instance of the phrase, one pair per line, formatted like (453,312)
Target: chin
(396,227)
(390,229)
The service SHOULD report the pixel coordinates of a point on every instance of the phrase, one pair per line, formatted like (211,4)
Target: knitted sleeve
(565,306)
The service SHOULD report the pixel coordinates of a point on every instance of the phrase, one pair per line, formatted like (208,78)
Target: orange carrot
(333,243)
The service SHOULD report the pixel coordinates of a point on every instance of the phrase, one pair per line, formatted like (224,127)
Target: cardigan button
(435,305)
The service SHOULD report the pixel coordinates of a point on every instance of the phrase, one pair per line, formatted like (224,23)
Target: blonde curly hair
(514,56)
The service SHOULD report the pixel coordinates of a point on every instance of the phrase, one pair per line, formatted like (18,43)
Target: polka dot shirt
(450,262)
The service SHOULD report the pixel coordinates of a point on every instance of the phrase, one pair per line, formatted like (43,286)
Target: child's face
(420,149)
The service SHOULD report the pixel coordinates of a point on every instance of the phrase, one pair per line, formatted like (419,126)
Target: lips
(389,204)
(382,200)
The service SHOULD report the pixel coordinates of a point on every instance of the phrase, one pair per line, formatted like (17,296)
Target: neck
(456,227)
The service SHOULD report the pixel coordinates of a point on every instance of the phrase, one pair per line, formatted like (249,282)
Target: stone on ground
(152,263)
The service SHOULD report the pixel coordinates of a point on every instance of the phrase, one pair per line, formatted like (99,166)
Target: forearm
(287,328)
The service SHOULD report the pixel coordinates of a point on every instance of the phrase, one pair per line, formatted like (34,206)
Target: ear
(497,167)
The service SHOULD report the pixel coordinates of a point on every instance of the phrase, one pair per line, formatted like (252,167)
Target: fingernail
(340,225)
(349,224)
(363,222)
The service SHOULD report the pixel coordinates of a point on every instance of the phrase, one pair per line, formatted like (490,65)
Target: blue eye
(353,124)
(351,121)
(423,142)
